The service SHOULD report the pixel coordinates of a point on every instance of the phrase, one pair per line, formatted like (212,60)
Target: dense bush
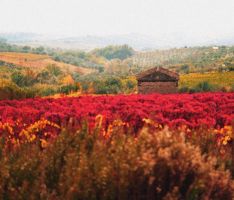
(89,165)
(9,90)
(66,89)
(24,80)
(204,87)
(108,84)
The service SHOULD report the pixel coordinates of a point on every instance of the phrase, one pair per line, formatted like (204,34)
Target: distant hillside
(137,41)
(87,43)
(19,37)
(24,75)
(38,61)
(185,60)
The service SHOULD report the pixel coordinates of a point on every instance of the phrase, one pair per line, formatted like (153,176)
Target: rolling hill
(26,75)
(39,62)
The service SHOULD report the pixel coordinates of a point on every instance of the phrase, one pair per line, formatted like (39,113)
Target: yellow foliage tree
(68,80)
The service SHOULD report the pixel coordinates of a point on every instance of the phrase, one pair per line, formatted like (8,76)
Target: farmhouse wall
(157,87)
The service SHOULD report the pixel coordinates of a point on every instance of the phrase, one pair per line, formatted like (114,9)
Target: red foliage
(193,110)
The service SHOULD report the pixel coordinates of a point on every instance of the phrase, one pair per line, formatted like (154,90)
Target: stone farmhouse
(157,80)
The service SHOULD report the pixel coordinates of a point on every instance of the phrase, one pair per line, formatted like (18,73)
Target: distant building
(215,48)
(157,80)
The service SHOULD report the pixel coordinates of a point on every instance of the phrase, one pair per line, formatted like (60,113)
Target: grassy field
(219,79)
(38,61)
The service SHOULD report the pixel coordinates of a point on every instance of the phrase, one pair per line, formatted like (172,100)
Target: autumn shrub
(91,165)
(204,87)
(211,110)
(66,89)
(9,90)
(184,89)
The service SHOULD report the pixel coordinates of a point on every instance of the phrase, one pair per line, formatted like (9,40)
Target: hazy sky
(104,17)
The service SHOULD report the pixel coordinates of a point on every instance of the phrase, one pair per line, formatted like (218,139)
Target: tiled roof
(158,69)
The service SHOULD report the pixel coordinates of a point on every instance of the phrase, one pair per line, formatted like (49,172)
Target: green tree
(54,70)
(18,78)
(26,49)
(112,52)
(204,87)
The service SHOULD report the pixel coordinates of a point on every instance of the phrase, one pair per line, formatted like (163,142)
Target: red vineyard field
(209,110)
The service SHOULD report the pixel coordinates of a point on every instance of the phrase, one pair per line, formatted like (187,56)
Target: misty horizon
(210,18)
(142,24)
